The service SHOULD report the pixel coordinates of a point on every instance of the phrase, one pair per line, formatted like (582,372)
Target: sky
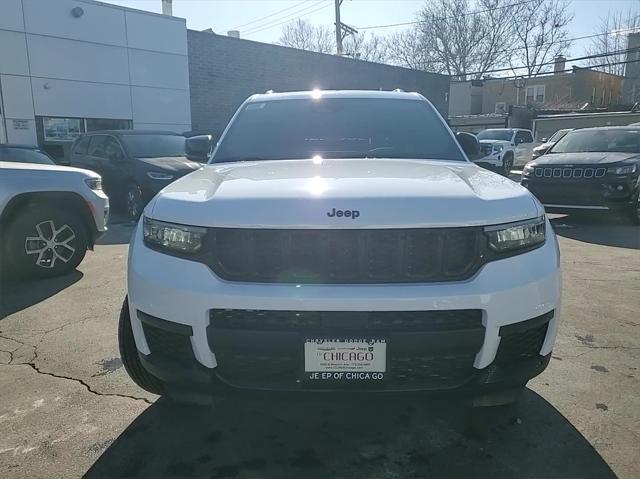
(262,20)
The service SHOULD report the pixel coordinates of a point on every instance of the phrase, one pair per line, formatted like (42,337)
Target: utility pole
(338,29)
(342,30)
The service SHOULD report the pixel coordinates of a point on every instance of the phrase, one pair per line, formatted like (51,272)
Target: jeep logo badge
(353,214)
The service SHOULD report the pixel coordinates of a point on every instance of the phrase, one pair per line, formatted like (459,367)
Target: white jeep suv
(340,240)
(503,148)
(49,216)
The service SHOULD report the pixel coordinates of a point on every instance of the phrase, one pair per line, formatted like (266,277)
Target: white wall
(111,62)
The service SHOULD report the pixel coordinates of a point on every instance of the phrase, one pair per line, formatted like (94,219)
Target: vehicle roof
(132,132)
(605,128)
(293,95)
(506,129)
(21,147)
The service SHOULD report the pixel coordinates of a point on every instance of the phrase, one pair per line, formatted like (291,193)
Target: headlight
(179,238)
(498,148)
(622,170)
(156,175)
(94,183)
(515,236)
(528,169)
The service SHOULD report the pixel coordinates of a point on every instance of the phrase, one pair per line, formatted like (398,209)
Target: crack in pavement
(83,383)
(10,353)
(31,363)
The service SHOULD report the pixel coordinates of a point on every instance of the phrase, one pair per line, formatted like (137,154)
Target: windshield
(504,135)
(154,146)
(22,155)
(337,128)
(625,141)
(557,135)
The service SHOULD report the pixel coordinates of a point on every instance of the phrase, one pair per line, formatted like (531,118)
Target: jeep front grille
(343,256)
(568,172)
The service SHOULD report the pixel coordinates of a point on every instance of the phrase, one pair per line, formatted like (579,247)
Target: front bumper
(601,194)
(492,161)
(166,292)
(98,204)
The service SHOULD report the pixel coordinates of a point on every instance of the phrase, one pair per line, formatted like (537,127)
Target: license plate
(345,359)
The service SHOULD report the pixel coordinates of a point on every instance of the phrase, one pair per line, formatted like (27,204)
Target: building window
(535,94)
(61,129)
(501,108)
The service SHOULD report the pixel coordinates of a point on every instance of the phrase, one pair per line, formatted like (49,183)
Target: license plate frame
(359,371)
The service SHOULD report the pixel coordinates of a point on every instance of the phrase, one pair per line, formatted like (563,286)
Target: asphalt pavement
(68,409)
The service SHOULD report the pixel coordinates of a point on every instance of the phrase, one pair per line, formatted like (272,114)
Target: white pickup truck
(504,148)
(340,241)
(49,216)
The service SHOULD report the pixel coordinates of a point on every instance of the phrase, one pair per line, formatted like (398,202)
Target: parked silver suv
(49,216)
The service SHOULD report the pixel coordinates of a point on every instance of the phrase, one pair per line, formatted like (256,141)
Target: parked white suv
(49,216)
(340,241)
(504,148)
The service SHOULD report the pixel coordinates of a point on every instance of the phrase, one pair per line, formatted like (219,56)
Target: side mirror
(544,140)
(469,144)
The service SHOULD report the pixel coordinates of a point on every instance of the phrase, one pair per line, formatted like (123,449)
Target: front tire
(634,210)
(129,355)
(133,201)
(43,242)
(507,165)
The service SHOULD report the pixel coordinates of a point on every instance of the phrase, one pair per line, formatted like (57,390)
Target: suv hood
(590,158)
(173,164)
(386,193)
(35,168)
(492,142)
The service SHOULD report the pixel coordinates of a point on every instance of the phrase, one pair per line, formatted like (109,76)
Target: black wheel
(129,355)
(133,201)
(507,165)
(634,210)
(41,241)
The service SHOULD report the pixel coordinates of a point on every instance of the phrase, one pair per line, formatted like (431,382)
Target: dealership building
(72,66)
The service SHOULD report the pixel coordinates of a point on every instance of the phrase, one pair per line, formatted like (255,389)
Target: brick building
(224,71)
(558,91)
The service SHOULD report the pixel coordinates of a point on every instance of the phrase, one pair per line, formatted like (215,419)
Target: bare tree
(612,40)
(460,38)
(540,34)
(306,36)
(371,48)
(319,38)
(405,49)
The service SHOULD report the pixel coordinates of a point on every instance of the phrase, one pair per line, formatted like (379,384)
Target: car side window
(82,146)
(97,146)
(113,150)
(523,137)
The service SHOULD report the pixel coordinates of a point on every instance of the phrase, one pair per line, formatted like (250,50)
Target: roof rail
(269,92)
(399,90)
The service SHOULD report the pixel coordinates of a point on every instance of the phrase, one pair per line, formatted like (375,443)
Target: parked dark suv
(134,164)
(592,169)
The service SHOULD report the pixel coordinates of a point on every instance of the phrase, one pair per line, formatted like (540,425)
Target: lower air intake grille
(522,340)
(167,339)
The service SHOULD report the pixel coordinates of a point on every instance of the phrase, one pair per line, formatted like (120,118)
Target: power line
(476,12)
(269,16)
(586,57)
(295,16)
(567,70)
(282,17)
